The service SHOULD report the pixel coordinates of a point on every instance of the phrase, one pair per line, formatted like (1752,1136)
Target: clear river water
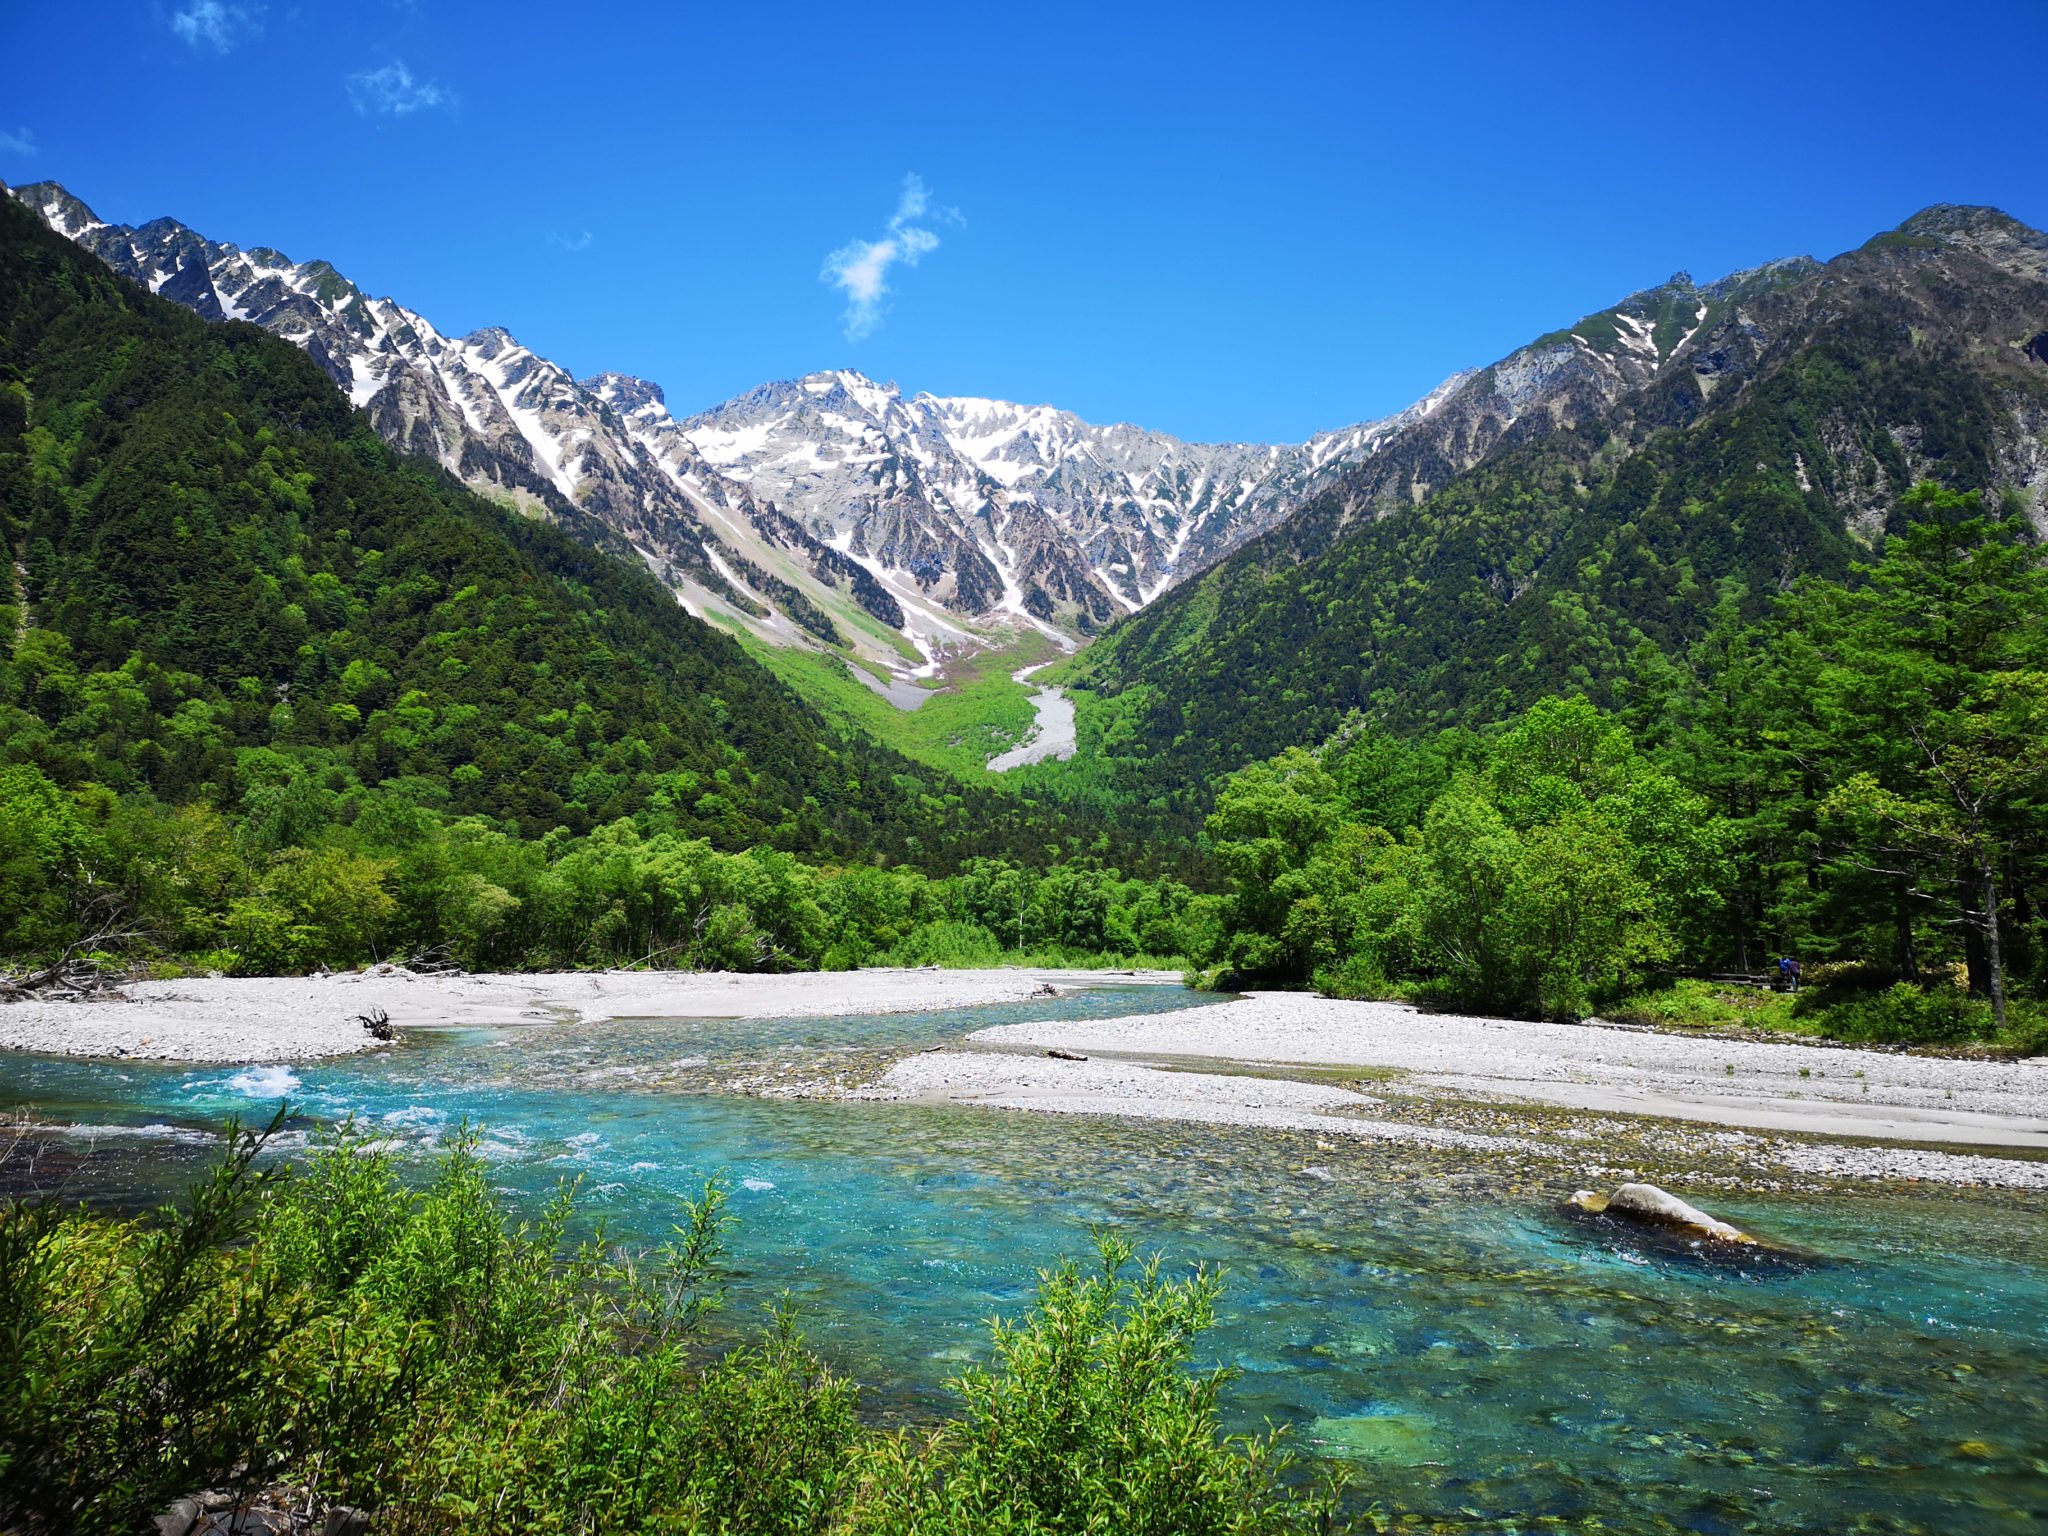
(1482,1362)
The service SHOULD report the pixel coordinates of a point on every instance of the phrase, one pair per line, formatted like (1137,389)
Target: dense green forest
(273,699)
(355,1342)
(1859,778)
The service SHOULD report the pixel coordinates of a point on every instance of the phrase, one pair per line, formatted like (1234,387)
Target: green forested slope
(1561,564)
(221,581)
(1859,779)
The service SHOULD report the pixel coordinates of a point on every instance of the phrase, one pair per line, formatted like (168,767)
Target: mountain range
(829,511)
(220,589)
(1527,526)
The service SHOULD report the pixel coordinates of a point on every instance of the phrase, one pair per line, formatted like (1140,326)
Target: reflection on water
(1483,1361)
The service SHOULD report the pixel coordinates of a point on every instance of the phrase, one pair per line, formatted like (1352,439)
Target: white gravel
(1136,1091)
(295,1018)
(1052,732)
(1770,1086)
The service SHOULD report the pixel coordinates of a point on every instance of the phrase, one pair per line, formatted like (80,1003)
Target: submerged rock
(1652,1206)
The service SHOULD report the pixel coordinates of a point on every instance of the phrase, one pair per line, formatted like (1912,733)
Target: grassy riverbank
(1843,1005)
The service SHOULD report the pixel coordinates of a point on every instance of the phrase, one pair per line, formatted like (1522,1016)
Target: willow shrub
(1090,1421)
(420,1353)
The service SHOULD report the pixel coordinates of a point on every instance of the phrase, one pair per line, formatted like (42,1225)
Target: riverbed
(1052,736)
(1415,1307)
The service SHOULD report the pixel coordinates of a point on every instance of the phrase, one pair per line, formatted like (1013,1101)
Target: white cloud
(860,268)
(216,25)
(576,242)
(20,142)
(393,92)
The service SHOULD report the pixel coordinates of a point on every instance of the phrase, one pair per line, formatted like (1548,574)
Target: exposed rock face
(812,508)
(1950,276)
(1026,508)
(1651,1206)
(1683,339)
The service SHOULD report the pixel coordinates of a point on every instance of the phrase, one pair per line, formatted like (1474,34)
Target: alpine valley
(1627,763)
(828,512)
(893,537)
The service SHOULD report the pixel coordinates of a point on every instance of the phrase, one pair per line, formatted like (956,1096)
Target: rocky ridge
(1027,509)
(1661,357)
(837,513)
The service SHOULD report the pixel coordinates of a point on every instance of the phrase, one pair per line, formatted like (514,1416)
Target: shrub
(418,1353)
(1089,1421)
(1692,1003)
(141,1359)
(2026,1032)
(949,943)
(1902,1014)
(1355,976)
(43,853)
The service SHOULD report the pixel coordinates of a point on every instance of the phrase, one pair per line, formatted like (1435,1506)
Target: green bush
(2027,1031)
(1902,1014)
(951,944)
(420,1353)
(42,861)
(1090,1421)
(1355,976)
(1691,1003)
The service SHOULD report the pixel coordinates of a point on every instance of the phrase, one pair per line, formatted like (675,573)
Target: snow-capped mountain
(827,511)
(508,422)
(1024,507)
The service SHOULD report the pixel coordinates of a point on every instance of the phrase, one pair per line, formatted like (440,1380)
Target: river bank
(1052,732)
(1273,1062)
(1386,1071)
(1408,1298)
(296,1018)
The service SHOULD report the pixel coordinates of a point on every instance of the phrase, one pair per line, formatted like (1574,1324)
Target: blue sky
(1246,221)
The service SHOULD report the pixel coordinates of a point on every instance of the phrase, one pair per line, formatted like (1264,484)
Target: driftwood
(435,960)
(1058,1055)
(75,976)
(378,1023)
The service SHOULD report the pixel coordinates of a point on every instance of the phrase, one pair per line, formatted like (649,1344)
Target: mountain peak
(625,391)
(66,214)
(850,380)
(1988,233)
(493,341)
(1948,220)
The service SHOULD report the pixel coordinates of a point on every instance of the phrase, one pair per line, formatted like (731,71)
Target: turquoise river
(1482,1363)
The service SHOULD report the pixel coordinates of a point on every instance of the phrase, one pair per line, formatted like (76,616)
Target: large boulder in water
(1651,1206)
